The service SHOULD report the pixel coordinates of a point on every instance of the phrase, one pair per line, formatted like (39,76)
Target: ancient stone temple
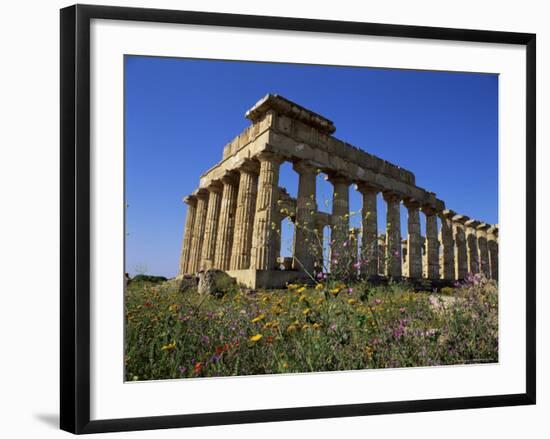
(234,216)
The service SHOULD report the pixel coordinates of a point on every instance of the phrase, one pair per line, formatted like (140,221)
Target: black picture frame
(75,217)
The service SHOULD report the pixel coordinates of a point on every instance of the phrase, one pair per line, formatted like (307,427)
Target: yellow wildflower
(291,328)
(173,307)
(169,346)
(292,286)
(305,326)
(334,291)
(352,301)
(306,311)
(319,287)
(258,318)
(316,326)
(256,338)
(301,290)
(302,298)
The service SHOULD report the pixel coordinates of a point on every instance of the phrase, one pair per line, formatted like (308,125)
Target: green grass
(303,329)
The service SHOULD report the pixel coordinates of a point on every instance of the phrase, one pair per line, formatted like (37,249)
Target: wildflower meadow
(328,325)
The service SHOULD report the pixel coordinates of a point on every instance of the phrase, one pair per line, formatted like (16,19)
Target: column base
(268,279)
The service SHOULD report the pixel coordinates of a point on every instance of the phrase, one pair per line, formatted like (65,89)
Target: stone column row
(234,224)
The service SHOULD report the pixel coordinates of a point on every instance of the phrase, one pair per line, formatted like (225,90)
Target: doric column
(211,225)
(448,243)
(369,239)
(481,234)
(226,225)
(461,252)
(277,220)
(198,231)
(393,235)
(244,216)
(353,243)
(471,242)
(264,255)
(319,239)
(432,243)
(305,248)
(414,243)
(340,213)
(191,202)
(492,244)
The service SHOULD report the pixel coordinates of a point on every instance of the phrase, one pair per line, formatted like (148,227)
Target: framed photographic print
(268,218)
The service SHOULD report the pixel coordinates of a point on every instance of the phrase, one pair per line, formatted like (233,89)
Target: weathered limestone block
(393,235)
(264,256)
(226,225)
(369,220)
(191,202)
(492,244)
(306,250)
(447,241)
(414,246)
(244,216)
(211,226)
(461,252)
(432,243)
(483,248)
(198,231)
(215,282)
(471,242)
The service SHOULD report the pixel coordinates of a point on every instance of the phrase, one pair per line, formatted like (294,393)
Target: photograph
(296,218)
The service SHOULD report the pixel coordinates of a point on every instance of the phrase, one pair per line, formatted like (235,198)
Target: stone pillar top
(429,210)
(191,200)
(411,203)
(201,193)
(472,223)
(449,214)
(248,165)
(215,186)
(367,187)
(493,230)
(269,156)
(283,106)
(461,219)
(392,196)
(304,167)
(338,179)
(483,227)
(230,177)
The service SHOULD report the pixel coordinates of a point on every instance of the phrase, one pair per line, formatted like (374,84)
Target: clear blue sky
(180,113)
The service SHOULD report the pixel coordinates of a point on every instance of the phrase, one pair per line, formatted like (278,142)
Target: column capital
(411,203)
(201,193)
(472,224)
(448,214)
(338,179)
(364,187)
(483,227)
(269,156)
(249,166)
(230,177)
(391,196)
(429,210)
(215,186)
(304,167)
(493,230)
(460,219)
(190,200)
